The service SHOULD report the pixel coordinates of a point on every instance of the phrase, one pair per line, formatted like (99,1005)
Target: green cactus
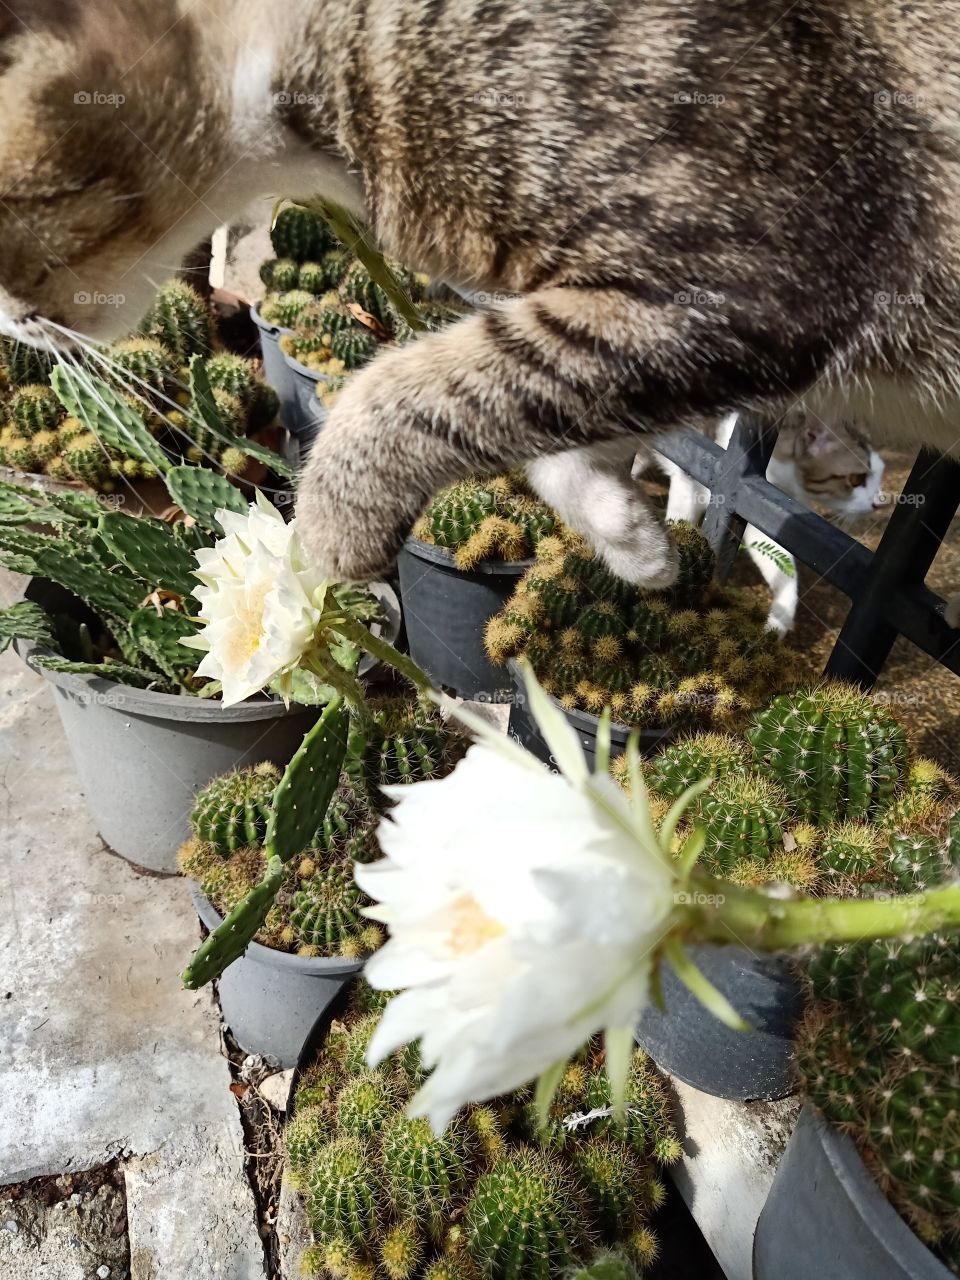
(692,759)
(342,1194)
(877,1052)
(615,1181)
(34,408)
(285,309)
(354,346)
(300,234)
(835,752)
(181,321)
(401,1251)
(425,1175)
(366,1105)
(149,550)
(609,1267)
(232,810)
(200,494)
(481,520)
(235,376)
(744,817)
(914,861)
(697,560)
(406,743)
(851,853)
(305,1135)
(21,364)
(313,277)
(19,453)
(111,418)
(525,1218)
(143,361)
(280,274)
(357,286)
(325,914)
(46,447)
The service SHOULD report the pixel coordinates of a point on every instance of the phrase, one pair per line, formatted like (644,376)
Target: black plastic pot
(690,1043)
(446,611)
(825,1216)
(305,414)
(523,728)
(337,1007)
(271,999)
(274,364)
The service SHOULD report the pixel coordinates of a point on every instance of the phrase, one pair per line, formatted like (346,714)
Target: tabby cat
(695,207)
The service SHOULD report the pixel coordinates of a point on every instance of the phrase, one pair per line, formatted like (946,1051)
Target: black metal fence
(886,587)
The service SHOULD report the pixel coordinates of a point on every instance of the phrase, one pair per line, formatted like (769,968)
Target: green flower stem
(349,688)
(383,651)
(754,919)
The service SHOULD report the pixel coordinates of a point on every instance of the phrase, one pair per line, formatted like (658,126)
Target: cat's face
(94,96)
(830,464)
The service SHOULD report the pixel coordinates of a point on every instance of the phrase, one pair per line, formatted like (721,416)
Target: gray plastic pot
(690,1043)
(141,756)
(523,728)
(274,364)
(269,999)
(446,611)
(305,415)
(825,1216)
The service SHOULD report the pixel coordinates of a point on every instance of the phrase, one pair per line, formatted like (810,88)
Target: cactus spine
(232,811)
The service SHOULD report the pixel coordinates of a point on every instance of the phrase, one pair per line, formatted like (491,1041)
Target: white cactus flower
(524,908)
(256,602)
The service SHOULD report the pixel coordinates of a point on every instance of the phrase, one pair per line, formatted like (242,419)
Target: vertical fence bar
(748,454)
(907,549)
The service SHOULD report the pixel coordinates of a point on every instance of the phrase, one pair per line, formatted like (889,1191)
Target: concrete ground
(103,1055)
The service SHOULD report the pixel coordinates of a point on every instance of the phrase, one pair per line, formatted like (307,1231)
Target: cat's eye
(856,480)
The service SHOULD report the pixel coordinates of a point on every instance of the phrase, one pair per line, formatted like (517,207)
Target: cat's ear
(818,437)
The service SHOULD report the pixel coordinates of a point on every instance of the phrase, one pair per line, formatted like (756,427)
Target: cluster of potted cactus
(149,375)
(313,937)
(821,794)
(458,568)
(498,1195)
(661,661)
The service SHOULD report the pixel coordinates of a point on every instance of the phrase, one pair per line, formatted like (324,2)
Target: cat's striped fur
(698,206)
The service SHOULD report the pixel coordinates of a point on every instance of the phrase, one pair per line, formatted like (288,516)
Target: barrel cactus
(34,408)
(877,1052)
(425,1175)
(744,816)
(525,1218)
(342,1194)
(284,309)
(143,364)
(487,519)
(353,346)
(406,742)
(300,234)
(280,274)
(836,752)
(325,917)
(232,810)
(691,759)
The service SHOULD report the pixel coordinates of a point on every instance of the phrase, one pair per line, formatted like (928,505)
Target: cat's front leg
(565,368)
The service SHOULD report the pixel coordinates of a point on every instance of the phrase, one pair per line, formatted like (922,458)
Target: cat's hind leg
(779,570)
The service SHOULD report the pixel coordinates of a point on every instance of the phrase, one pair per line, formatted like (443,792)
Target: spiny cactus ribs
(232,811)
(878,1053)
(834,749)
(480,520)
(779,804)
(495,1196)
(694,655)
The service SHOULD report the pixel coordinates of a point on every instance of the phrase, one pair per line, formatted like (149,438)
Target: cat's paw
(951,614)
(643,561)
(367,479)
